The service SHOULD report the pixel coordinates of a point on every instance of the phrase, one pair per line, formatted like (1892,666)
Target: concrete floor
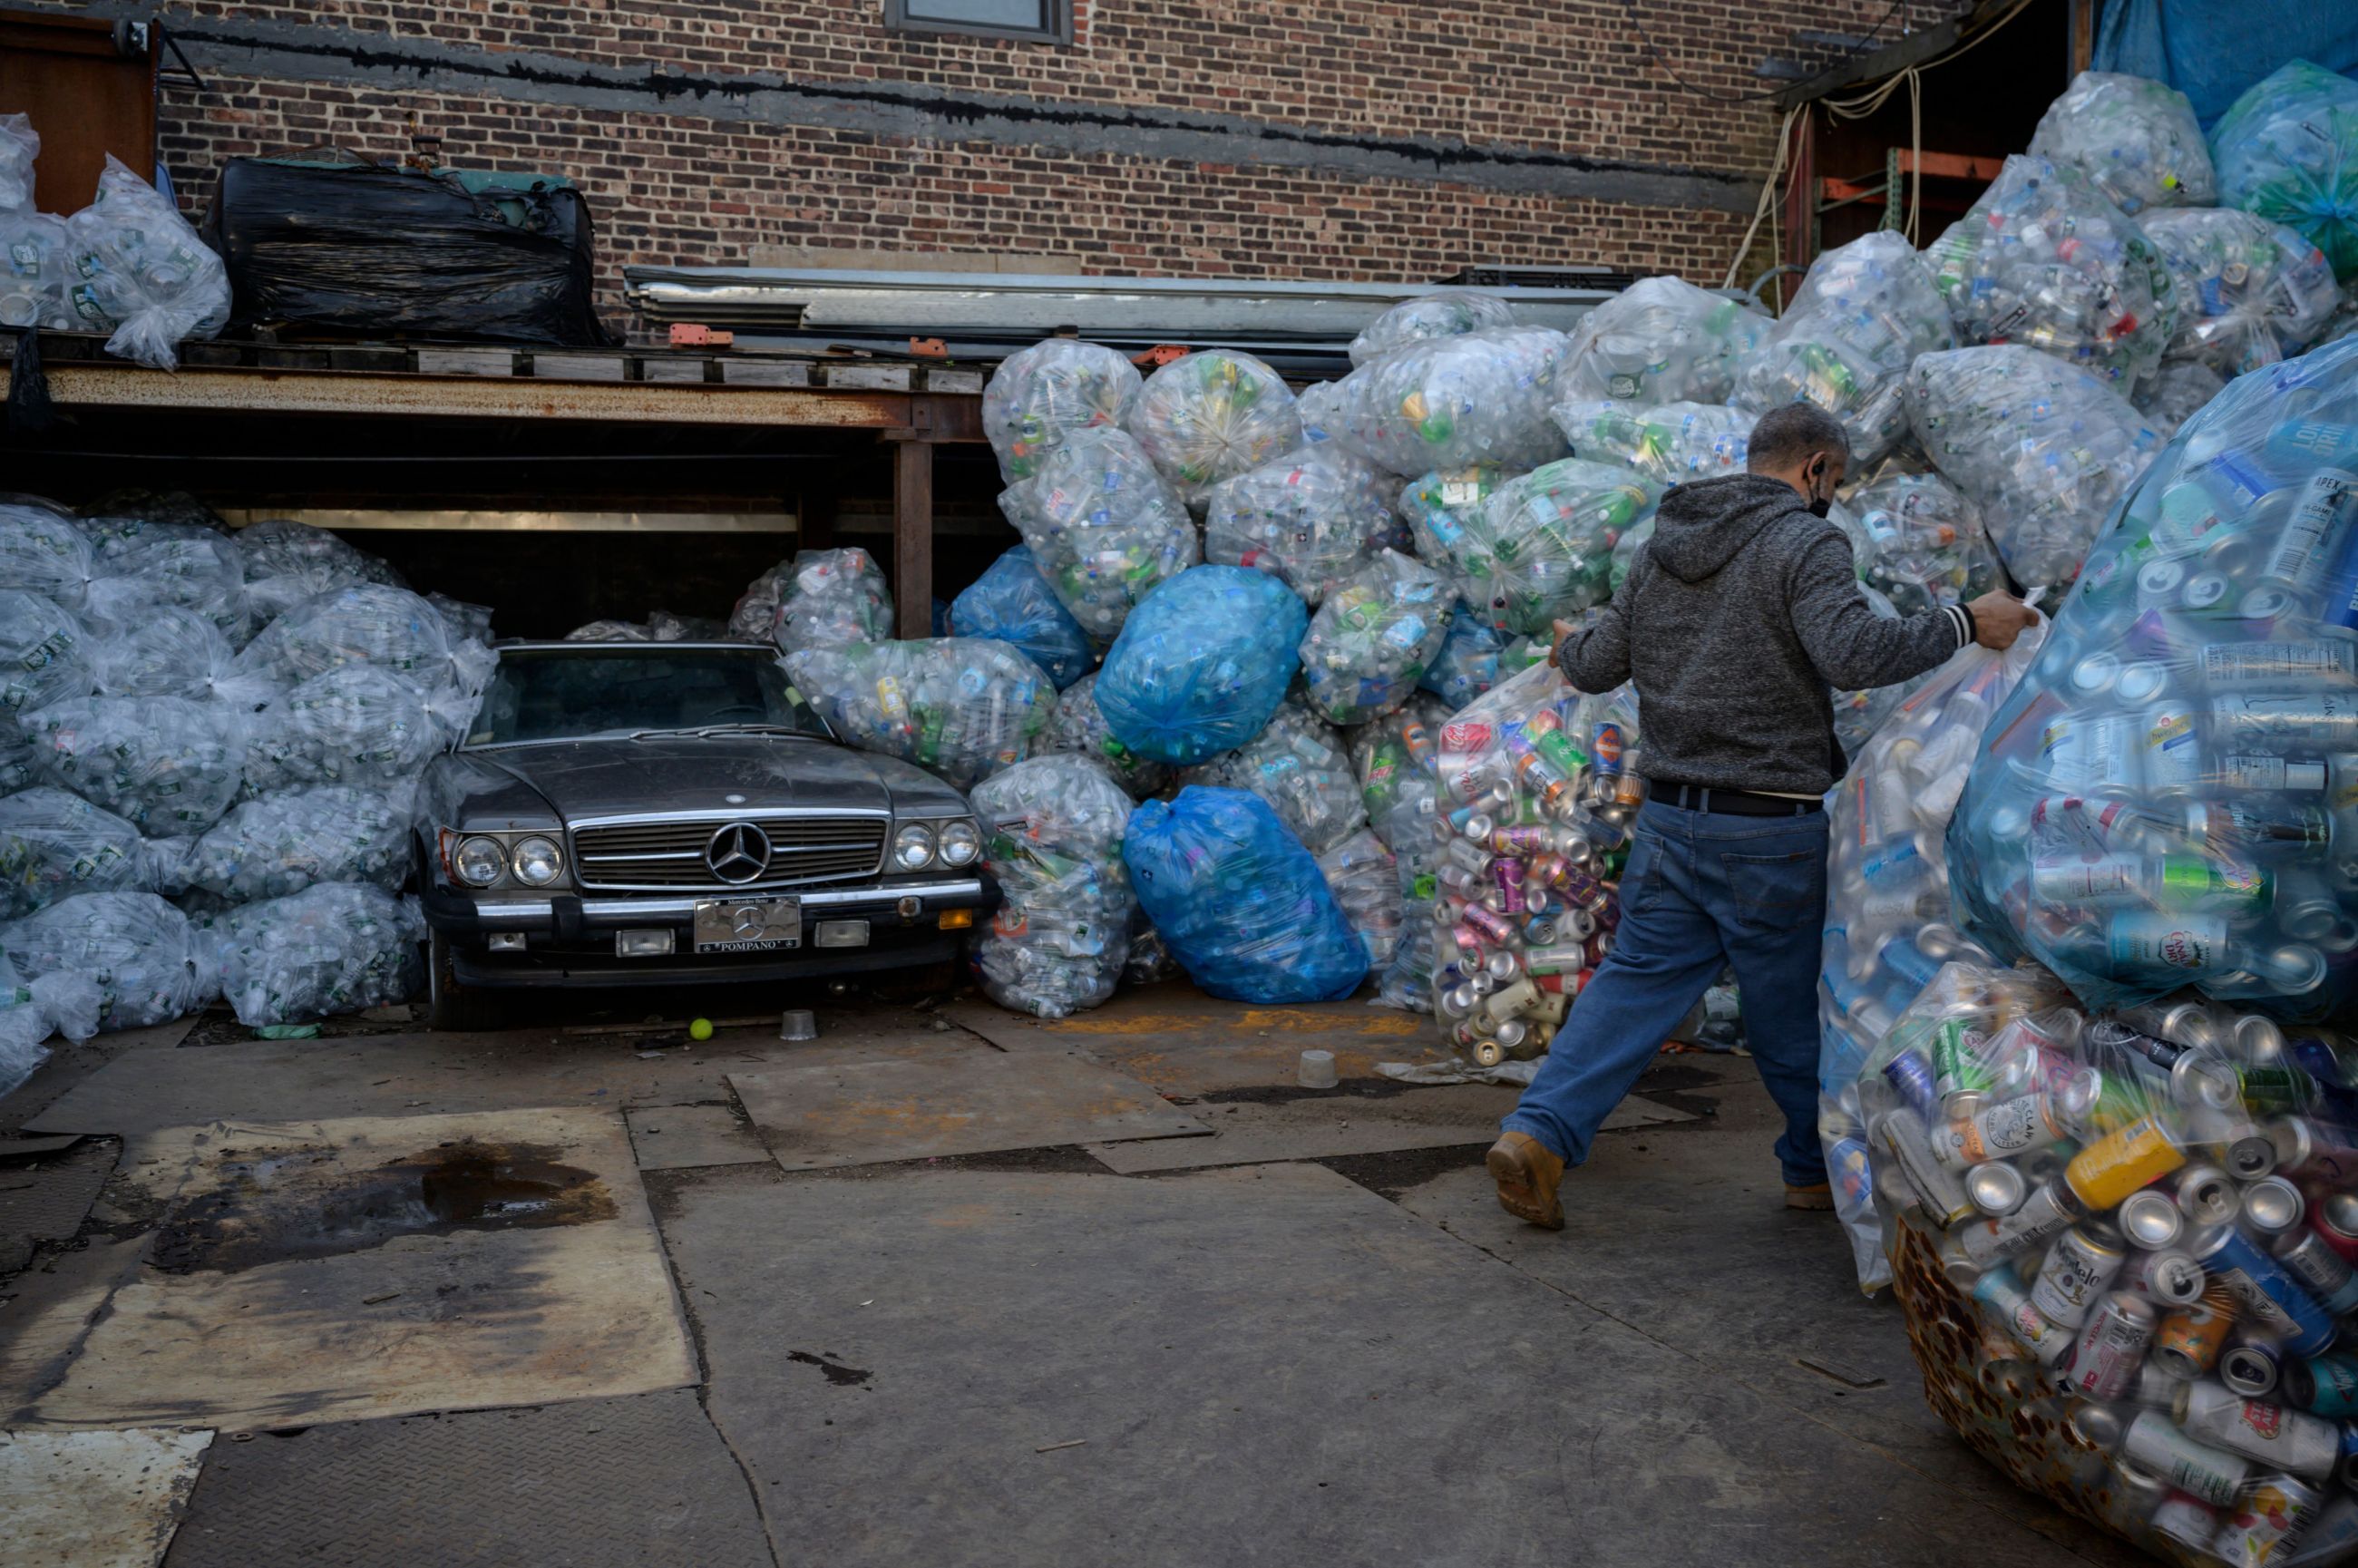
(1337,1351)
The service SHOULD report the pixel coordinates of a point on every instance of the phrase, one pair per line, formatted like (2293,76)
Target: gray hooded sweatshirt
(1735,620)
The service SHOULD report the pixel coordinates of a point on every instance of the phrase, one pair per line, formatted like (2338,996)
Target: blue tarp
(2206,49)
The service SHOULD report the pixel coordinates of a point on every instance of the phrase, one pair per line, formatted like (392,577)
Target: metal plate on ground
(682,1137)
(46,1198)
(301,1272)
(1329,1125)
(872,1113)
(645,1481)
(94,1500)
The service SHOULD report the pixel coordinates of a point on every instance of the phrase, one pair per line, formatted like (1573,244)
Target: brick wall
(1346,138)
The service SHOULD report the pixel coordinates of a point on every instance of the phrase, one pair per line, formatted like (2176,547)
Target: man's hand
(1998,620)
(1555,649)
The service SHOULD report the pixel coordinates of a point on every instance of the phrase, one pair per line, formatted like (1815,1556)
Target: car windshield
(567,694)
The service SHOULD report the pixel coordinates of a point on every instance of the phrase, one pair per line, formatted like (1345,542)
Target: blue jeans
(1702,890)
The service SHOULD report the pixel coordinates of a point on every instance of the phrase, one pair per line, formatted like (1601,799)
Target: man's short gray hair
(1788,432)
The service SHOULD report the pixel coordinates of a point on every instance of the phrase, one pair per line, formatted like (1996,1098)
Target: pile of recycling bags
(209,743)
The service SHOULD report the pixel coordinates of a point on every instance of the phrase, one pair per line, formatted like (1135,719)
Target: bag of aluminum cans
(958,706)
(2249,292)
(1445,403)
(288,563)
(360,724)
(366,625)
(141,273)
(1203,663)
(163,564)
(1365,879)
(2135,138)
(1467,663)
(1211,416)
(132,946)
(821,599)
(1859,319)
(1012,603)
(43,551)
(337,948)
(1372,640)
(1311,519)
(283,843)
(2124,1248)
(1105,528)
(2287,149)
(2165,800)
(2177,394)
(54,844)
(1299,764)
(1429,316)
(2042,447)
(1237,900)
(167,764)
(2046,261)
(1670,444)
(1924,542)
(1541,549)
(1078,727)
(1662,340)
(1052,835)
(45,653)
(1039,396)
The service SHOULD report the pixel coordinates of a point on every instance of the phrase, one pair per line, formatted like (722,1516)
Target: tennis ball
(701,1028)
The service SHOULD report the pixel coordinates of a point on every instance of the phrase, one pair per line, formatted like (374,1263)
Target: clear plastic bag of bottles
(1012,603)
(33,277)
(282,843)
(2042,447)
(1052,837)
(334,948)
(168,764)
(1300,765)
(1212,415)
(45,653)
(822,599)
(1407,827)
(1445,403)
(1079,728)
(1429,316)
(958,706)
(1373,638)
(141,273)
(43,551)
(1662,340)
(1365,879)
(1238,901)
(1391,751)
(165,564)
(2046,261)
(172,651)
(1319,406)
(17,755)
(135,947)
(1203,663)
(54,844)
(2178,393)
(2123,1246)
(2287,149)
(2249,292)
(1542,549)
(1436,508)
(1311,519)
(1105,527)
(474,620)
(1039,396)
(360,724)
(19,146)
(1670,444)
(1924,542)
(289,563)
(1859,319)
(1467,663)
(2135,139)
(366,625)
(2164,801)
(610,632)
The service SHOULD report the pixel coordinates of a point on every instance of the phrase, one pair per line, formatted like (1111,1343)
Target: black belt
(1734,802)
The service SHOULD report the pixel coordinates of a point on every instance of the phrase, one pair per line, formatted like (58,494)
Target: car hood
(619,777)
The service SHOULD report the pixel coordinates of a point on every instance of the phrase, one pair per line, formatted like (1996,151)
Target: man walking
(1735,620)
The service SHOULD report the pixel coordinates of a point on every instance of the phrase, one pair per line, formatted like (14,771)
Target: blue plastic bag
(1202,663)
(2287,149)
(1238,901)
(1014,602)
(1467,664)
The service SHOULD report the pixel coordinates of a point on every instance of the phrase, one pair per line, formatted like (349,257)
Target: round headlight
(479,862)
(913,847)
(961,843)
(536,862)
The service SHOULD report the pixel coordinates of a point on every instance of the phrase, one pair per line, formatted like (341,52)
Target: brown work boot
(1527,1172)
(1821,1197)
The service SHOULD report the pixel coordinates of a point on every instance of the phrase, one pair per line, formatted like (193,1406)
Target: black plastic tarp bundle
(327,243)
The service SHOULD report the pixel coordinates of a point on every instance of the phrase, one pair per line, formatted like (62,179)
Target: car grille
(626,857)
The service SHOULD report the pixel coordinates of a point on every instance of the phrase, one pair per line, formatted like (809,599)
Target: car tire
(452,1007)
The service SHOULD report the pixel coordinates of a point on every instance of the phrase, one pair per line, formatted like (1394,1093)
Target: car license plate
(748,925)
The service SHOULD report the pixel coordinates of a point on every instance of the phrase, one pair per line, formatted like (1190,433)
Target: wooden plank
(765,372)
(869,377)
(966,382)
(913,537)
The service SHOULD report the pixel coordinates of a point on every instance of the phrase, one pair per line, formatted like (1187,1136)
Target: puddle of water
(304,1205)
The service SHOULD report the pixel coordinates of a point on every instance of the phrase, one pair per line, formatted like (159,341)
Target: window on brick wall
(1050,20)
